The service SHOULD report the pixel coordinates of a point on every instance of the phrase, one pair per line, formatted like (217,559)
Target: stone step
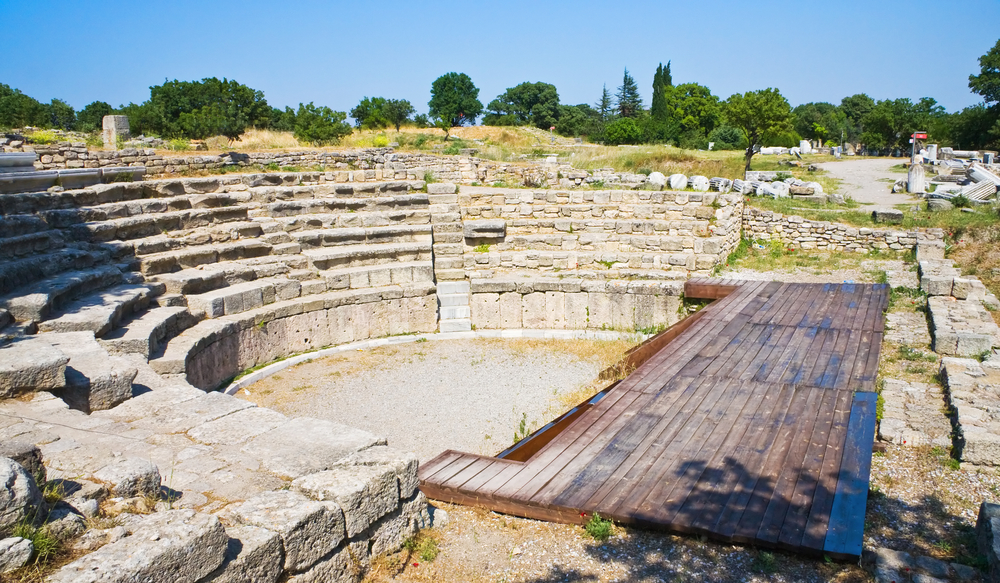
(31,364)
(318,238)
(452,300)
(287,208)
(455,313)
(95,380)
(168,261)
(35,302)
(197,280)
(151,330)
(21,272)
(449,274)
(463,325)
(100,312)
(378,275)
(358,255)
(179,239)
(31,244)
(453,287)
(349,220)
(17,225)
(143,226)
(242,297)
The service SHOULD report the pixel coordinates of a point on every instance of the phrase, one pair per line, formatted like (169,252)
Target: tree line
(687,115)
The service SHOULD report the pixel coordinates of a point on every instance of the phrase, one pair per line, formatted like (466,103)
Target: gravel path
(898,272)
(864,180)
(429,397)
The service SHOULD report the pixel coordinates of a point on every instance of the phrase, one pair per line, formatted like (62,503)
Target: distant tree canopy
(534,104)
(628,102)
(18,110)
(210,107)
(321,125)
(91,117)
(820,121)
(455,99)
(369,114)
(398,112)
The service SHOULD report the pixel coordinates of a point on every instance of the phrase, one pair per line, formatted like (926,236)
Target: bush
(380,141)
(598,528)
(320,125)
(623,131)
(727,138)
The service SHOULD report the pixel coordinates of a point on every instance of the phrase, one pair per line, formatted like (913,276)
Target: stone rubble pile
(768,183)
(958,173)
(962,325)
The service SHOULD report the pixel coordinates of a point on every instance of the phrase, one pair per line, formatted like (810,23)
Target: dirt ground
(869,181)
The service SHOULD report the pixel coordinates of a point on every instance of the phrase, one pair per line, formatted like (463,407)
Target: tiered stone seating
(193,273)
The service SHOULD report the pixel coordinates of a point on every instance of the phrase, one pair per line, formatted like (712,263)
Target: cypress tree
(605,106)
(666,78)
(658,108)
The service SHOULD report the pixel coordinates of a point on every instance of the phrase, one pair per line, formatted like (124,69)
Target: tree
(320,125)
(91,117)
(455,98)
(282,120)
(199,109)
(820,121)
(398,111)
(661,83)
(421,120)
(891,122)
(19,110)
(756,113)
(627,100)
(987,82)
(61,115)
(534,104)
(605,106)
(369,114)
(855,108)
(624,130)
(579,120)
(692,111)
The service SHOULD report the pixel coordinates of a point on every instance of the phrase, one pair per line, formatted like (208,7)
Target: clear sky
(335,53)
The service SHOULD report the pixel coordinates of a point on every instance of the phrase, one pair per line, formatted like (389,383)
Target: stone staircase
(453,306)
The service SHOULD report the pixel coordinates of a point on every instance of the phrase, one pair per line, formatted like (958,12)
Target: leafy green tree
(398,111)
(444,124)
(455,98)
(624,130)
(693,109)
(369,114)
(579,120)
(534,104)
(820,121)
(91,117)
(987,82)
(207,107)
(891,122)
(974,127)
(421,120)
(757,113)
(320,125)
(19,110)
(61,115)
(627,99)
(727,138)
(855,108)
(141,118)
(282,120)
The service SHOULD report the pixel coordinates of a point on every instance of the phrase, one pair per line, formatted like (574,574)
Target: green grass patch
(600,529)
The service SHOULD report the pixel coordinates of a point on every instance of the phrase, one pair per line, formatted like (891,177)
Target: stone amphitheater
(128,308)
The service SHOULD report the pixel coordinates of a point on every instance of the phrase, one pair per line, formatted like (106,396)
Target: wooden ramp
(752,424)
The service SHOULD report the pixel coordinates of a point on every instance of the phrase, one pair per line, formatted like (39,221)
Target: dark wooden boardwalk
(753,424)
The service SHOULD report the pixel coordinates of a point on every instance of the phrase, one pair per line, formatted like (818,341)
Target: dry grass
(255,139)
(977,251)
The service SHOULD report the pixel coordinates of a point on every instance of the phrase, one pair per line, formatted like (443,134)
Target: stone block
(281,449)
(936,285)
(964,288)
(988,536)
(486,310)
(973,344)
(364,493)
(485,229)
(19,495)
(15,552)
(511,312)
(309,530)
(577,311)
(131,477)
(888,216)
(27,455)
(441,188)
(174,546)
(253,555)
(555,310)
(403,463)
(31,364)
(533,310)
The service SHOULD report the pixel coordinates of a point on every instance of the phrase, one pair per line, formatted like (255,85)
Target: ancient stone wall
(799,233)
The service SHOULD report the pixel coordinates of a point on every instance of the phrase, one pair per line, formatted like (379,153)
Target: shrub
(380,141)
(599,528)
(320,125)
(623,131)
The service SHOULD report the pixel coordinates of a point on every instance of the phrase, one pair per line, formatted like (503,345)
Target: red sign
(920,136)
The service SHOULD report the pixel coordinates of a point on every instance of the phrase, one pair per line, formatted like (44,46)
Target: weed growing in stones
(482,248)
(765,563)
(598,528)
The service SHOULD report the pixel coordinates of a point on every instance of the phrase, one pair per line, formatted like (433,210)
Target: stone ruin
(115,130)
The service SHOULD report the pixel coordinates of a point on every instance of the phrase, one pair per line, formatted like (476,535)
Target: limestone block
(936,285)
(510,310)
(486,311)
(888,216)
(15,552)
(600,309)
(555,310)
(174,546)
(577,311)
(972,343)
(309,530)
(27,455)
(623,312)
(485,229)
(963,288)
(281,449)
(253,555)
(533,310)
(364,493)
(441,188)
(19,495)
(988,536)
(391,531)
(31,364)
(131,477)
(403,463)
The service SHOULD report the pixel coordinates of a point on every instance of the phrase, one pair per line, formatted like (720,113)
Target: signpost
(915,139)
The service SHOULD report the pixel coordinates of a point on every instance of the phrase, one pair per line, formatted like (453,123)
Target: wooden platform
(753,424)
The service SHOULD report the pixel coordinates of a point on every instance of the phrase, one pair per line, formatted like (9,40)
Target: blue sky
(334,53)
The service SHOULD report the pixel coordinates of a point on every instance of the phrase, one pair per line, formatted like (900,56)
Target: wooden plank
(443,459)
(769,353)
(819,517)
(713,493)
(847,516)
(455,482)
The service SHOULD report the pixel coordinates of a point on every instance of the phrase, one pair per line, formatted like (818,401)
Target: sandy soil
(866,180)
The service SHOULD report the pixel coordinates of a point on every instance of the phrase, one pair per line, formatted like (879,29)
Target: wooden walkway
(752,424)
